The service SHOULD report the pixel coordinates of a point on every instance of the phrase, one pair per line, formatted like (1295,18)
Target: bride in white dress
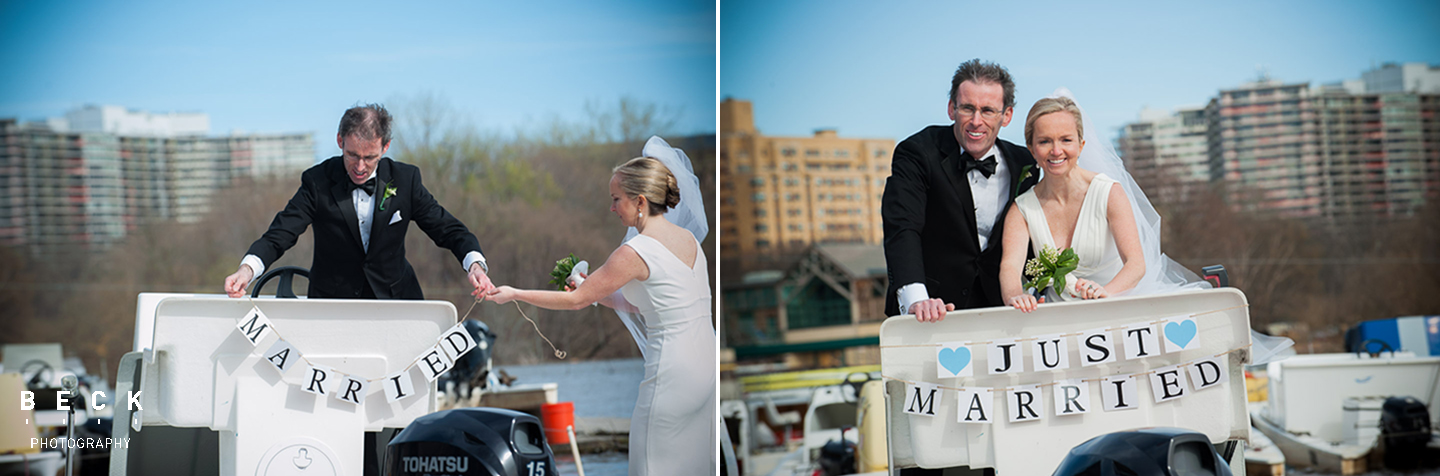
(1086,201)
(664,298)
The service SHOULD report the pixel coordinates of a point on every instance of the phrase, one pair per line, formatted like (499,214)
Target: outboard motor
(1405,430)
(471,441)
(1150,451)
(837,457)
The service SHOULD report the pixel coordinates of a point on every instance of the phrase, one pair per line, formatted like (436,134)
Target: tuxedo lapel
(381,224)
(952,163)
(1020,163)
(344,200)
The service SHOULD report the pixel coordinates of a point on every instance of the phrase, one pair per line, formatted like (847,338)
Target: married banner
(324,380)
(1014,391)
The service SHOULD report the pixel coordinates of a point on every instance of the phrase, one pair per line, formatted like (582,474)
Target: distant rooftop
(131,122)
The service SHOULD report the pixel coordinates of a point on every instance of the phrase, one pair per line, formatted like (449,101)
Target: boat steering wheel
(856,384)
(285,289)
(1365,347)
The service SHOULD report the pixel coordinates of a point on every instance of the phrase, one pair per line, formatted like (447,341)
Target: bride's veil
(689,214)
(1162,274)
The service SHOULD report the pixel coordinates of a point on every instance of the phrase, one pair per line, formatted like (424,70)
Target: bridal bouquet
(567,270)
(1050,268)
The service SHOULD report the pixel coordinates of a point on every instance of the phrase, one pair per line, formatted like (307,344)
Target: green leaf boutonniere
(1024,174)
(389,192)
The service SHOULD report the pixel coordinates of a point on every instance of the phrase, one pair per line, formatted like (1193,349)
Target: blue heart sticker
(955,360)
(1181,333)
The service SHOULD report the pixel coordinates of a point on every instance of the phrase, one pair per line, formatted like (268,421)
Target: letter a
(280,355)
(975,405)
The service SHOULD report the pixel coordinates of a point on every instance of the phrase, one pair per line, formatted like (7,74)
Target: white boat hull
(1262,457)
(1311,452)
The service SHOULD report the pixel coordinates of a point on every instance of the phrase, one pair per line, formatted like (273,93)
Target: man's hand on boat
(930,310)
(235,284)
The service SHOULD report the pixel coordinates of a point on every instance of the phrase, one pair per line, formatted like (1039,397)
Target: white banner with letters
(327,381)
(1015,391)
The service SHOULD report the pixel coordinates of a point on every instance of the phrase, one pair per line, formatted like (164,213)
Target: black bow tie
(369,185)
(986,166)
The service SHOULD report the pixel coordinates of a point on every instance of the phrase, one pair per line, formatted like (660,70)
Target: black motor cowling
(1150,451)
(470,441)
(837,458)
(1405,430)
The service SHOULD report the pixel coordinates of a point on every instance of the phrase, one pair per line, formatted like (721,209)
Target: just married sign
(1000,388)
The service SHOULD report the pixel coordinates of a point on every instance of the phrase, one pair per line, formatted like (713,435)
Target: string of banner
(1051,352)
(324,380)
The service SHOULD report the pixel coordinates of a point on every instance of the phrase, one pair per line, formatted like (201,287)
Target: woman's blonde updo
(1052,105)
(647,177)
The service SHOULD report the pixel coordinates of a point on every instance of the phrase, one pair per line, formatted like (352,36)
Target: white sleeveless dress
(672,431)
(1094,245)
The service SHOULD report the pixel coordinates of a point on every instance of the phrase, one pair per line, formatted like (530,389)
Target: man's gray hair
(977,72)
(367,122)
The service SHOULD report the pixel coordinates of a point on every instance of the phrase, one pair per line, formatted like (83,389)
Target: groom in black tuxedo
(945,201)
(361,205)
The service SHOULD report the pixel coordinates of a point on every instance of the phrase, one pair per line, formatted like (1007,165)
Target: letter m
(924,406)
(254,328)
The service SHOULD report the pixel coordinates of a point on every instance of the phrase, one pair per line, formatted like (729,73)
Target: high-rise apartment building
(1332,155)
(1379,153)
(785,193)
(68,191)
(1263,147)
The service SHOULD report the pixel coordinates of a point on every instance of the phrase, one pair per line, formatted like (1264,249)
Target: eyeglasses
(967,111)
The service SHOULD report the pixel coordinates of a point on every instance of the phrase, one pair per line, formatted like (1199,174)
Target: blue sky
(882,69)
(272,66)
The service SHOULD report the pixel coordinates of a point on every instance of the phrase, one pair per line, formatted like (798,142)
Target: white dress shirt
(990,195)
(365,214)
